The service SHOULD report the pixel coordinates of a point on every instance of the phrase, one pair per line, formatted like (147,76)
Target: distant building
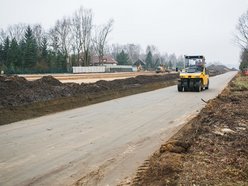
(106,60)
(140,64)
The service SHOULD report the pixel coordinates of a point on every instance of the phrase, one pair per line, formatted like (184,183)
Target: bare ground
(22,99)
(86,76)
(29,96)
(212,149)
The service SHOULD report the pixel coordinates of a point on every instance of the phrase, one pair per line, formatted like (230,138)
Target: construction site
(134,93)
(192,142)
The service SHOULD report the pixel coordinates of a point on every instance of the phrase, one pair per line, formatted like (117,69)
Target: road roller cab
(195,76)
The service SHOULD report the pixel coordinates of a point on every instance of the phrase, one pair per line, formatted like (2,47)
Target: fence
(92,69)
(97,69)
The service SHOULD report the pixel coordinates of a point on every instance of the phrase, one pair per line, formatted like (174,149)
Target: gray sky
(174,26)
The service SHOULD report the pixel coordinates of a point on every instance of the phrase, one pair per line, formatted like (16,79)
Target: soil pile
(212,149)
(17,91)
(217,69)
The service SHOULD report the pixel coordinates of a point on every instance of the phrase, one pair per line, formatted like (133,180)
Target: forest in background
(72,41)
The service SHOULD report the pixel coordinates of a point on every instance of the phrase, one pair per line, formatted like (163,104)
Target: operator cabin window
(200,69)
(194,69)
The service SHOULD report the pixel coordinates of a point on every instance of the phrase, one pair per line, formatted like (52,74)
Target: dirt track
(100,144)
(89,77)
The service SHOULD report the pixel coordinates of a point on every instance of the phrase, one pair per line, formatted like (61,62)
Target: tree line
(29,49)
(28,55)
(70,42)
(128,54)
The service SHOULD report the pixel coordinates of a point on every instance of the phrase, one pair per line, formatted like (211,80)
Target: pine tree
(5,52)
(42,64)
(148,60)
(22,47)
(31,49)
(44,52)
(1,55)
(122,58)
(61,61)
(14,55)
(51,58)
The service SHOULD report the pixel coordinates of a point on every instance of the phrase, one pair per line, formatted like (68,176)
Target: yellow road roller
(194,77)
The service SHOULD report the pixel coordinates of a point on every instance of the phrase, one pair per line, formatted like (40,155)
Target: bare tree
(53,40)
(39,33)
(81,28)
(180,62)
(242,28)
(115,49)
(3,36)
(61,37)
(172,60)
(152,48)
(133,52)
(165,59)
(86,16)
(100,39)
(16,31)
(242,39)
(77,35)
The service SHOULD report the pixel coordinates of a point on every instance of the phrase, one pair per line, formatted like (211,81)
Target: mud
(210,150)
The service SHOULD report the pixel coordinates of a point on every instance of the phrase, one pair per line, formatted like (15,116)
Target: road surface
(99,144)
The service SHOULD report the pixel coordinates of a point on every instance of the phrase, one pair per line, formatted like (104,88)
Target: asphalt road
(99,144)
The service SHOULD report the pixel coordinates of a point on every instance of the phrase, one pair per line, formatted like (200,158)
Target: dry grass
(240,83)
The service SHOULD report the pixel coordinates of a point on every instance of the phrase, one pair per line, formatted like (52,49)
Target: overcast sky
(174,26)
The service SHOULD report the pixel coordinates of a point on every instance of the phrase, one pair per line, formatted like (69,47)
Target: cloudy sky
(174,26)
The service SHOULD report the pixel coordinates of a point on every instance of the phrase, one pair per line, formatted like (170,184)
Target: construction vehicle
(194,76)
(160,69)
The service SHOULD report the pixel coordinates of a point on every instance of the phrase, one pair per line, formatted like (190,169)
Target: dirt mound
(10,84)
(12,81)
(17,91)
(210,150)
(217,69)
(47,80)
